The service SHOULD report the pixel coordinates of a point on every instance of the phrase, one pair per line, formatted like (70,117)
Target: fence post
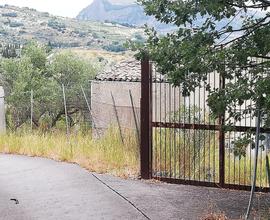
(117,119)
(221,140)
(146,120)
(32,108)
(134,116)
(268,170)
(90,111)
(66,112)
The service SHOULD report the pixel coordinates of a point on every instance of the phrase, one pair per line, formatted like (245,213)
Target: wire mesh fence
(45,110)
(71,109)
(62,124)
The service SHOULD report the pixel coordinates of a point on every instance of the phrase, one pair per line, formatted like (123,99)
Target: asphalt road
(47,190)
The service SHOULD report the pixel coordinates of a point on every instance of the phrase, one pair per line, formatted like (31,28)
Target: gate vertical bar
(146,120)
(221,139)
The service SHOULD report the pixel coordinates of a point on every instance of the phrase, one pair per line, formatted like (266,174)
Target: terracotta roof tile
(128,70)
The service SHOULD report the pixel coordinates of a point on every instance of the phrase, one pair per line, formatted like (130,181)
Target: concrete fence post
(2,111)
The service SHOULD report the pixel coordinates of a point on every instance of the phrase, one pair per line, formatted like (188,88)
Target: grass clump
(105,155)
(214,216)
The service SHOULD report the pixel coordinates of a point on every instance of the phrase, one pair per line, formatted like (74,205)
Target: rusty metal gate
(182,143)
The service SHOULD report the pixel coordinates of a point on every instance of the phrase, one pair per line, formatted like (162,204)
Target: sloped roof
(126,71)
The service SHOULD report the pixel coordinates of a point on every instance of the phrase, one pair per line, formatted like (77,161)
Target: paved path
(49,190)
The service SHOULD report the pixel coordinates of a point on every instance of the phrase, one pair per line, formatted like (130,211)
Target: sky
(66,8)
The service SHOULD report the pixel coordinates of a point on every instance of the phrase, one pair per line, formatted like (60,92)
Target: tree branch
(263,57)
(266,2)
(246,28)
(256,27)
(255,6)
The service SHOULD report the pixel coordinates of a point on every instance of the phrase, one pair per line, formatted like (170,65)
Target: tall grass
(186,154)
(179,154)
(104,155)
(194,155)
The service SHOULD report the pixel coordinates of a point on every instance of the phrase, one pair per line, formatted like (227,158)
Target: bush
(16,24)
(95,35)
(45,14)
(56,25)
(3,32)
(64,45)
(80,33)
(114,47)
(22,32)
(89,43)
(139,37)
(10,14)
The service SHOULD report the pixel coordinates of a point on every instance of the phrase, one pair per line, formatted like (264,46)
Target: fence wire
(71,109)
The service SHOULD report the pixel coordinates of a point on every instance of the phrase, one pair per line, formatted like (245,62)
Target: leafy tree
(19,78)
(231,37)
(72,72)
(37,54)
(36,70)
(21,75)
(69,70)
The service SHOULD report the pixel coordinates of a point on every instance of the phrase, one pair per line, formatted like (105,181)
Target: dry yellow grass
(106,155)
(93,54)
(214,216)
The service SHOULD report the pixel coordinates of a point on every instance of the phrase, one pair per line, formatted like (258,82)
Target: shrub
(81,33)
(16,24)
(45,14)
(95,35)
(114,47)
(56,25)
(10,14)
(3,32)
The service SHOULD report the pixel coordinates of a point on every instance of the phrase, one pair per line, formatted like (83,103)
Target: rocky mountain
(126,12)
(19,25)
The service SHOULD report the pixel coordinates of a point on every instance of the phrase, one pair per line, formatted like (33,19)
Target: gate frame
(146,120)
(147,124)
(221,123)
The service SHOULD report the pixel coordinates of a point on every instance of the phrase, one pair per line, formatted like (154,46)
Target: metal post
(221,141)
(255,164)
(134,116)
(90,111)
(66,113)
(268,169)
(146,120)
(117,119)
(32,109)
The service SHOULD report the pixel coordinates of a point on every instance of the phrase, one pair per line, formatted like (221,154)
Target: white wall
(102,104)
(2,111)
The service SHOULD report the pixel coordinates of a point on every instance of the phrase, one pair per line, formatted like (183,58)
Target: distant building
(112,92)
